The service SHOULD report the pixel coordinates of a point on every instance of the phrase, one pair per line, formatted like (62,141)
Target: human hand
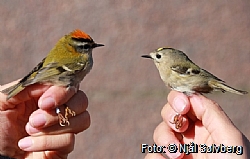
(204,122)
(30,116)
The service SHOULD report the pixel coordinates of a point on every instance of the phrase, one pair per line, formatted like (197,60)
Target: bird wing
(47,72)
(75,66)
(32,73)
(208,74)
(185,70)
(193,70)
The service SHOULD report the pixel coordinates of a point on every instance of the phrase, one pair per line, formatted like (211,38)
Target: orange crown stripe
(80,34)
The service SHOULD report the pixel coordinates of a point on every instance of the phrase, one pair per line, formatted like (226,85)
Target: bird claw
(64,120)
(178,121)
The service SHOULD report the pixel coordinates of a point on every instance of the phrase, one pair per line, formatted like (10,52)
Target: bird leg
(178,119)
(64,120)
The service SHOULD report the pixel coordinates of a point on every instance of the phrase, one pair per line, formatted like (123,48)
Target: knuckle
(85,116)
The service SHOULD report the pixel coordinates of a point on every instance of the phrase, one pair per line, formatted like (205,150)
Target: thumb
(214,119)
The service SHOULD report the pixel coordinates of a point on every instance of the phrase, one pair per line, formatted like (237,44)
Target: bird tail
(218,85)
(13,90)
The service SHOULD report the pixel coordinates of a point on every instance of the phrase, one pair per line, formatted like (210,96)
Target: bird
(181,74)
(66,65)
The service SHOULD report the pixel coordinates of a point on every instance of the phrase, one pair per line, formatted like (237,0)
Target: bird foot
(178,121)
(64,120)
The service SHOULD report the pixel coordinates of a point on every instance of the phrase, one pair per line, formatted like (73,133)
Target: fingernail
(31,130)
(47,103)
(179,104)
(197,101)
(25,143)
(38,120)
(176,154)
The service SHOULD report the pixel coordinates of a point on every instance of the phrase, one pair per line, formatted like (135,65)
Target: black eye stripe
(82,40)
(83,47)
(86,46)
(80,46)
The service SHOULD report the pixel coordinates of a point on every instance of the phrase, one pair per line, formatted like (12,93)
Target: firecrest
(66,65)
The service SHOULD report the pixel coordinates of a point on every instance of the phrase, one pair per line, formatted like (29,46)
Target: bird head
(81,41)
(160,55)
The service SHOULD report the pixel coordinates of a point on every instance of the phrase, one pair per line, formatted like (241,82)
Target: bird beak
(146,56)
(97,45)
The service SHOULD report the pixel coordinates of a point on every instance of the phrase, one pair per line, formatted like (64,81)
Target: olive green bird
(66,65)
(181,74)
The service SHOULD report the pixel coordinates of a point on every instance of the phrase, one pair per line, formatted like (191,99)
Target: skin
(204,122)
(29,125)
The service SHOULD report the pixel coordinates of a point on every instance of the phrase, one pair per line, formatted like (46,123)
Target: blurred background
(125,92)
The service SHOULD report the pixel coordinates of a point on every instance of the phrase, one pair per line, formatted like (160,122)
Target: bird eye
(86,46)
(158,56)
(81,48)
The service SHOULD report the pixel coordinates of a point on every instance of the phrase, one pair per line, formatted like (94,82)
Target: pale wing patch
(66,68)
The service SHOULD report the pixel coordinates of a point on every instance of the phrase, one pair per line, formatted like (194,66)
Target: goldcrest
(181,74)
(66,65)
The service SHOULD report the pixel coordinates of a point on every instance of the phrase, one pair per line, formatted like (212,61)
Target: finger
(31,91)
(51,96)
(62,142)
(168,115)
(28,93)
(154,156)
(47,154)
(78,124)
(55,96)
(2,87)
(214,119)
(41,118)
(79,102)
(179,102)
(164,136)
